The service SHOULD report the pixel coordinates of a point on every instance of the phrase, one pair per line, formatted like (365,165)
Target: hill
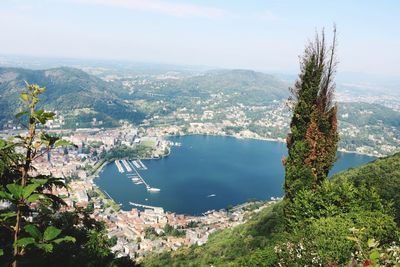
(243,81)
(360,114)
(382,174)
(263,240)
(68,90)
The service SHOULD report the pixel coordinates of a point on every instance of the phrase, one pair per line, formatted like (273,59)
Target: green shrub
(331,199)
(325,240)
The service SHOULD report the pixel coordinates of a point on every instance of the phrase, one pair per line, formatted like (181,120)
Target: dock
(145,206)
(139,164)
(119,166)
(142,165)
(134,162)
(126,165)
(148,187)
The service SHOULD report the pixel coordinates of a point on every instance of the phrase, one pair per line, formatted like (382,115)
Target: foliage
(91,248)
(325,241)
(23,191)
(123,151)
(331,199)
(312,142)
(382,174)
(171,231)
(150,233)
(370,253)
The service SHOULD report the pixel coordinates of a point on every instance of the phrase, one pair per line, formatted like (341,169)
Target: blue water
(235,170)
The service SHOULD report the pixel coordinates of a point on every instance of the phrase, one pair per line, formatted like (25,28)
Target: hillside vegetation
(68,89)
(354,199)
(383,175)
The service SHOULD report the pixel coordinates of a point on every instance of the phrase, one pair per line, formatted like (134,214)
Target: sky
(265,35)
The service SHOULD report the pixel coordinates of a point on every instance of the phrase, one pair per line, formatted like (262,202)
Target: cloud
(161,7)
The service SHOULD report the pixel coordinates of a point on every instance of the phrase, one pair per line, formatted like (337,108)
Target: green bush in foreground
(325,241)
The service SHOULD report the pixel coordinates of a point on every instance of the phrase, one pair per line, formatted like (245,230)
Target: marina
(136,178)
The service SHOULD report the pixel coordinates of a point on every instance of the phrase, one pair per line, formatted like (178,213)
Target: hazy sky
(264,35)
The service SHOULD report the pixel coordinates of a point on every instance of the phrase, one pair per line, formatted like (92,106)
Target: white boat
(153,189)
(212,195)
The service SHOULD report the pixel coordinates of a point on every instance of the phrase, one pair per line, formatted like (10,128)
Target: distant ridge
(67,89)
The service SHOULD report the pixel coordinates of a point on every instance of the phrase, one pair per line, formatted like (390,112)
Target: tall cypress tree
(312,141)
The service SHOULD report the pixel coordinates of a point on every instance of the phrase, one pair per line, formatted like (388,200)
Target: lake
(209,172)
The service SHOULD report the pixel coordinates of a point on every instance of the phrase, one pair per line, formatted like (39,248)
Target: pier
(119,166)
(148,187)
(139,164)
(134,162)
(142,165)
(127,166)
(145,206)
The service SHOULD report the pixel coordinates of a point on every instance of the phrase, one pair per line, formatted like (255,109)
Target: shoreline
(278,140)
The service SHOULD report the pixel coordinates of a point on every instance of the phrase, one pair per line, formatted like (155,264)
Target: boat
(153,189)
(139,182)
(212,195)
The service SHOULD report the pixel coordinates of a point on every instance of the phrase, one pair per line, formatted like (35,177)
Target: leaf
(24,97)
(23,242)
(374,255)
(33,197)
(15,190)
(33,231)
(28,190)
(20,114)
(45,247)
(371,243)
(50,233)
(7,215)
(64,239)
(1,252)
(5,195)
(6,145)
(49,115)
(352,238)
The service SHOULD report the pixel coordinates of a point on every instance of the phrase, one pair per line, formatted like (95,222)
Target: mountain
(241,80)
(361,114)
(68,89)
(261,241)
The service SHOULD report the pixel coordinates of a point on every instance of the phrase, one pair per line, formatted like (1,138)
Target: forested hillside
(68,90)
(383,175)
